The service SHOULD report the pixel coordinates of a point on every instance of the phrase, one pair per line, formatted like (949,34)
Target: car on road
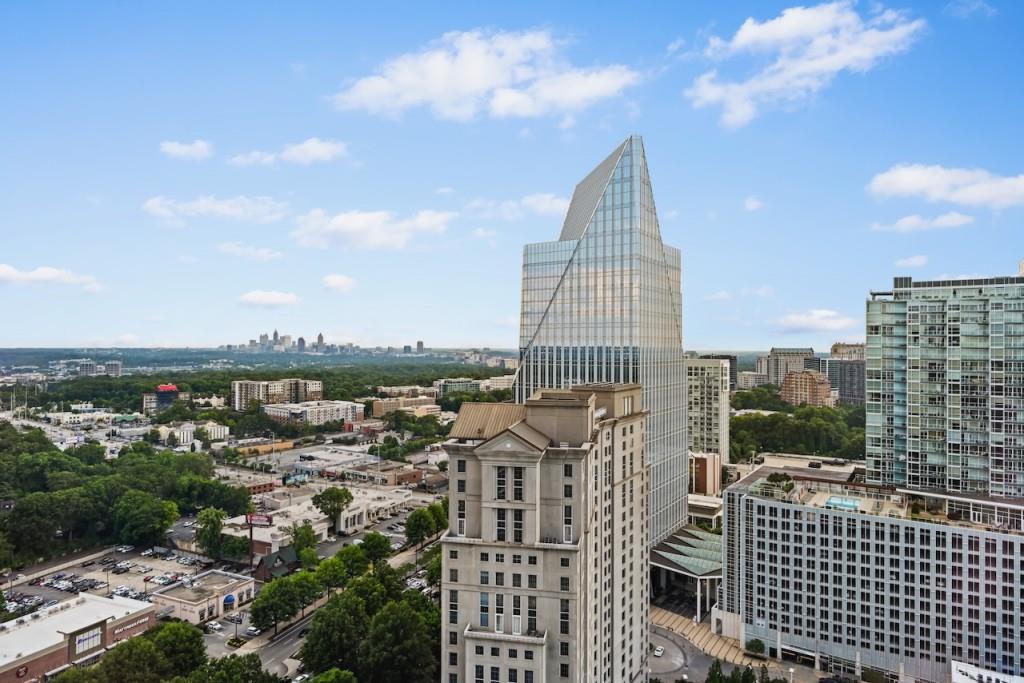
(253,631)
(234,618)
(214,627)
(88,563)
(659,651)
(301,678)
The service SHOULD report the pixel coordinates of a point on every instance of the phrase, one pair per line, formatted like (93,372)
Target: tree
(353,561)
(142,518)
(181,644)
(755,646)
(331,502)
(419,526)
(368,589)
(715,673)
(336,675)
(302,536)
(332,573)
(210,531)
(442,466)
(434,571)
(309,558)
(376,545)
(78,675)
(234,669)
(397,648)
(136,660)
(307,588)
(439,514)
(277,601)
(336,633)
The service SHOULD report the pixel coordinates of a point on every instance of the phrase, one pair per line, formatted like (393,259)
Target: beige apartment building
(545,572)
(244,392)
(807,387)
(383,406)
(707,415)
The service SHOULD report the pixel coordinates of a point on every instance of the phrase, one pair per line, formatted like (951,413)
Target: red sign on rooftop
(167,387)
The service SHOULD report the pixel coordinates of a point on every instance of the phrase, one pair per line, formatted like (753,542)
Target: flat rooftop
(203,586)
(47,630)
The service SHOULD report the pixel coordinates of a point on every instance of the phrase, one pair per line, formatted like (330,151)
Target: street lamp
(791,670)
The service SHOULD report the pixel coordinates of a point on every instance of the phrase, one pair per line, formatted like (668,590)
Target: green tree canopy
(332,501)
(376,545)
(397,648)
(181,644)
(142,518)
(419,526)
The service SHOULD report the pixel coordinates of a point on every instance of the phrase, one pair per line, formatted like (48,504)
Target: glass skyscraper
(604,304)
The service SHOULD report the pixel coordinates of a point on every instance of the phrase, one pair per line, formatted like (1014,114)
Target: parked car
(659,651)
(253,631)
(88,563)
(214,627)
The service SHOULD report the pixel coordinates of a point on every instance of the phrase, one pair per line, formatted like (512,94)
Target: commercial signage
(260,520)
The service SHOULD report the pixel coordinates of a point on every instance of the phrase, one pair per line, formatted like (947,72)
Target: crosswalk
(702,637)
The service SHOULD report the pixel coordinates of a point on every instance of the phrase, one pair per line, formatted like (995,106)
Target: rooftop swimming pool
(840,503)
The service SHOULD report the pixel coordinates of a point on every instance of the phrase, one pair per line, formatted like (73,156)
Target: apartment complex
(806,387)
(846,375)
(841,351)
(748,379)
(707,415)
(315,412)
(244,392)
(163,398)
(545,572)
(782,361)
(733,367)
(604,304)
(872,581)
(945,385)
(383,406)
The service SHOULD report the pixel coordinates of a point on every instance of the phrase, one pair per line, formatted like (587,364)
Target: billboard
(259,520)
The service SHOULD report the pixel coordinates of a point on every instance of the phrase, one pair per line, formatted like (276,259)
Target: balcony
(534,638)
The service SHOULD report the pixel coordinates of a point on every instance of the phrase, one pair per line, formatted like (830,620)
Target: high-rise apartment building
(806,387)
(604,304)
(545,574)
(707,415)
(782,361)
(846,375)
(244,392)
(842,351)
(945,386)
(733,366)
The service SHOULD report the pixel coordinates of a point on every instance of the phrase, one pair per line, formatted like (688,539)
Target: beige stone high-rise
(707,415)
(545,561)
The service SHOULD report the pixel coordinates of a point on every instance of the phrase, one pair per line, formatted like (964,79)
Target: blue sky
(194,174)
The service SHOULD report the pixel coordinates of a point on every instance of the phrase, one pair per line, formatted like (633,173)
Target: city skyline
(311,196)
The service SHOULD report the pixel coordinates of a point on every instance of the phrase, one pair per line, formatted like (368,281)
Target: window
(485,578)
(478,673)
(479,649)
(567,469)
(499,557)
(517,526)
(528,654)
(499,612)
(513,676)
(453,678)
(460,486)
(453,637)
(517,483)
(565,561)
(453,607)
(563,617)
(517,617)
(517,580)
(532,560)
(563,670)
(485,610)
(460,529)
(453,575)
(495,674)
(502,524)
(563,648)
(500,492)
(567,491)
(453,554)
(531,619)
(484,557)
(453,659)
(460,465)
(528,675)
(567,524)
(564,584)
(499,578)
(531,581)
(517,559)
(513,653)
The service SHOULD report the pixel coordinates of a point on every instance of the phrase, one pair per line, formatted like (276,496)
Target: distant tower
(302,344)
(419,347)
(276,338)
(320,341)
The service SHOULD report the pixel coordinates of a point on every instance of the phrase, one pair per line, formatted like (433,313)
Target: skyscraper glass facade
(604,304)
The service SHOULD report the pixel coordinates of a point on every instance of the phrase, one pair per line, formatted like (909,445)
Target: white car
(659,651)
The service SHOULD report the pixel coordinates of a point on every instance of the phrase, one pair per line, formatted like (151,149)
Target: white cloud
(815,320)
(917,261)
(506,74)
(192,151)
(752,203)
(720,295)
(675,46)
(444,190)
(916,223)
(240,208)
(368,229)
(314,150)
(339,283)
(253,158)
(44,275)
(761,292)
(670,214)
(808,47)
(541,204)
(964,9)
(268,299)
(248,251)
(964,186)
